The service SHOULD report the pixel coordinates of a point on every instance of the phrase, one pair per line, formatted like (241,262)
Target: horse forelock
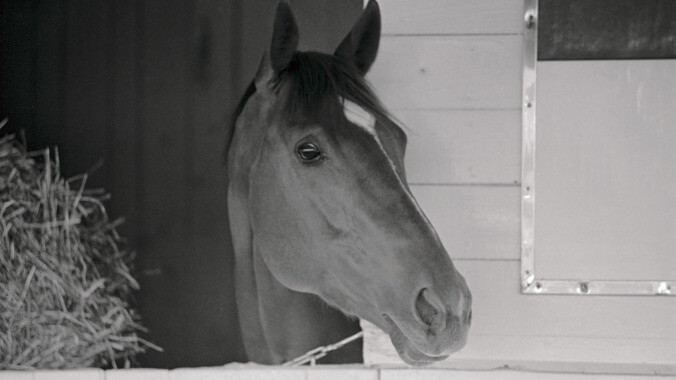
(312,81)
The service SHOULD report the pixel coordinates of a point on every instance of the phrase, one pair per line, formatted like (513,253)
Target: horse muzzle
(434,329)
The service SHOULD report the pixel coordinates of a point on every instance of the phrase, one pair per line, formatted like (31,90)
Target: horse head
(328,201)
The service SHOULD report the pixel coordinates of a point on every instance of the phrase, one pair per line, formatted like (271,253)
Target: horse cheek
(279,236)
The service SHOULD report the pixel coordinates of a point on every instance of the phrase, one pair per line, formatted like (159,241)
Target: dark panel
(210,308)
(86,96)
(606,29)
(164,201)
(50,75)
(18,57)
(123,145)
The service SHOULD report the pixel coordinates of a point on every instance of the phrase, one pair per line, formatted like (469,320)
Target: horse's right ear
(282,47)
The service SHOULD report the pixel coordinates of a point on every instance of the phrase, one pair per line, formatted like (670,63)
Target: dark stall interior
(139,95)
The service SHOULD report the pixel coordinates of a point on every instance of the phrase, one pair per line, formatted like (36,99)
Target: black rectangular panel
(606,29)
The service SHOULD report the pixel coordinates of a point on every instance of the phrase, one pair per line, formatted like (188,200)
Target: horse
(325,228)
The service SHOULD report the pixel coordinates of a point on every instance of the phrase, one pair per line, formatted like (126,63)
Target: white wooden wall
(450,70)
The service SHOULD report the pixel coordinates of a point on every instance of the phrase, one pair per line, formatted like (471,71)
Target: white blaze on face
(359,116)
(364,119)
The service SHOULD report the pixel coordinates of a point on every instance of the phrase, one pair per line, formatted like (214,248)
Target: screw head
(530,19)
(664,288)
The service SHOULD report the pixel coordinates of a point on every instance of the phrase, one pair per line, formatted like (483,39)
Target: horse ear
(360,46)
(283,45)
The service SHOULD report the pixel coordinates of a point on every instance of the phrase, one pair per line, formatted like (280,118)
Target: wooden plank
(340,372)
(552,328)
(518,372)
(123,164)
(211,308)
(73,374)
(50,72)
(137,374)
(252,372)
(606,29)
(474,222)
(17,92)
(254,37)
(87,97)
(163,252)
(452,17)
(449,72)
(606,170)
(16,375)
(451,147)
(552,354)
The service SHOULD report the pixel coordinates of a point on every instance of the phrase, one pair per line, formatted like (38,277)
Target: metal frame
(530,283)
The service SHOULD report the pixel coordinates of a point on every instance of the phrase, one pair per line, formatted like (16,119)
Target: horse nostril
(469,317)
(425,308)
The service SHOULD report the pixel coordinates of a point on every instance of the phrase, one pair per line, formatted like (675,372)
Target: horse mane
(309,81)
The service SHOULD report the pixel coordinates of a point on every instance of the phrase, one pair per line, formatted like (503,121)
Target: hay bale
(65,277)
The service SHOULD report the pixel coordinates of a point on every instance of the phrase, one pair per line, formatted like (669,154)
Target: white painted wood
(341,372)
(251,373)
(350,372)
(555,354)
(509,327)
(75,374)
(473,146)
(474,222)
(16,375)
(451,16)
(606,170)
(137,374)
(448,72)
(502,374)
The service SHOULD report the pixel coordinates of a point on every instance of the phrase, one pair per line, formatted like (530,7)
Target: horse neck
(279,324)
(294,323)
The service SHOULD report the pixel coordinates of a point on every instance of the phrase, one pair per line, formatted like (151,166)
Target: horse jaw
(411,353)
(407,351)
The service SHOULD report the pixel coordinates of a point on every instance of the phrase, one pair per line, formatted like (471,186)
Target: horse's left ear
(360,46)
(282,46)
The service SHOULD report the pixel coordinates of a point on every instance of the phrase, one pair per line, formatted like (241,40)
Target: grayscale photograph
(337,189)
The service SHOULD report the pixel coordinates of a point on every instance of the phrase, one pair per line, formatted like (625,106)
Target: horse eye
(308,152)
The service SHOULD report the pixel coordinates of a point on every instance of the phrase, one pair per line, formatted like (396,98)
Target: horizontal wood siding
(448,72)
(451,72)
(474,221)
(451,17)
(462,146)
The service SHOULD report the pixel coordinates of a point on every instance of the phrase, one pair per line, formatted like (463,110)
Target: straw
(65,275)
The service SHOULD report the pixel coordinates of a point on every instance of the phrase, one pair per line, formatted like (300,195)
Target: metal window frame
(530,283)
